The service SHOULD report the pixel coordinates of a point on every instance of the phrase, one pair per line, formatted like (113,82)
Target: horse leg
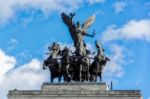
(59,79)
(52,79)
(80,75)
(59,67)
(64,76)
(51,75)
(85,76)
(100,76)
(67,70)
(88,70)
(72,75)
(95,78)
(88,75)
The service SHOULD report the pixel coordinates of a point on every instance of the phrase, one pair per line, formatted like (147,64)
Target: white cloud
(119,6)
(6,62)
(115,67)
(27,76)
(10,8)
(30,74)
(131,30)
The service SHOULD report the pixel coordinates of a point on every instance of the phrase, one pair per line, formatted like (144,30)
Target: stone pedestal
(74,91)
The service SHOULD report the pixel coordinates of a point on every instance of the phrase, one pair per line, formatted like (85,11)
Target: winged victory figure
(78,32)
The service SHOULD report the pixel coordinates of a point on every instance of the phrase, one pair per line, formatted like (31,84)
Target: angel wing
(88,23)
(66,19)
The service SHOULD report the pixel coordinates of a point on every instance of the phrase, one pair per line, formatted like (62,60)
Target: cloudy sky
(27,27)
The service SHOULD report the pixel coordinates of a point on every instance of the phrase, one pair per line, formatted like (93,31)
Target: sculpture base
(74,91)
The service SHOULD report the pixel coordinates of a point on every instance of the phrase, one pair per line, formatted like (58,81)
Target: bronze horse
(96,69)
(54,68)
(65,65)
(52,62)
(84,68)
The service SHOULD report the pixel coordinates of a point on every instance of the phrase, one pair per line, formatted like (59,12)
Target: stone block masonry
(74,91)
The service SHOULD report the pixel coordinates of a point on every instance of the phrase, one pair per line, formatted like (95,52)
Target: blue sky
(27,27)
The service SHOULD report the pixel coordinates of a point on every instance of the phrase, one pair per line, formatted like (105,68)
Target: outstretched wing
(66,19)
(70,24)
(88,23)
